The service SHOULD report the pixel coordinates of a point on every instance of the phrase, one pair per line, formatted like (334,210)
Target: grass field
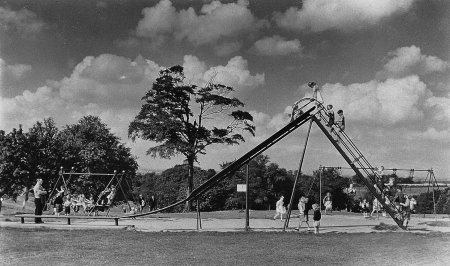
(55,247)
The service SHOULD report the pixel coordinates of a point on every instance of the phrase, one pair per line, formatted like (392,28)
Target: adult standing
(39,193)
(142,203)
(152,203)
(328,202)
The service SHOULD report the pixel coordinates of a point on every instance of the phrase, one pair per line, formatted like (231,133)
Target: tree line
(87,146)
(267,182)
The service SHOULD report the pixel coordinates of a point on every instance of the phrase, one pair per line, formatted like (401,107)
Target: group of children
(339,121)
(65,203)
(303,209)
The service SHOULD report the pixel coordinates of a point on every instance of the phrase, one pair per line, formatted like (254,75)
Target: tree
(26,156)
(89,146)
(176,115)
(335,184)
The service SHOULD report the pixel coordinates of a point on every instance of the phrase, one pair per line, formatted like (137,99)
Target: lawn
(94,247)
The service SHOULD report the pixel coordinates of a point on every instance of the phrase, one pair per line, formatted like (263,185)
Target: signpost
(243,188)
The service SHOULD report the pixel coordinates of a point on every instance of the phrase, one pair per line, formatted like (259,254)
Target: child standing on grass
(280,209)
(303,209)
(316,217)
(365,208)
(67,205)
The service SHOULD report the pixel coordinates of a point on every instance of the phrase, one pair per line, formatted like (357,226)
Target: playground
(173,239)
(246,237)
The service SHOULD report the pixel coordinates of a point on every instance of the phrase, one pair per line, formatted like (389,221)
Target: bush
(425,202)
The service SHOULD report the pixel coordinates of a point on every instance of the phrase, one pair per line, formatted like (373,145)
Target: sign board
(241,187)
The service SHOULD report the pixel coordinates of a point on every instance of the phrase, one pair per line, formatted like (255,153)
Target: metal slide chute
(233,167)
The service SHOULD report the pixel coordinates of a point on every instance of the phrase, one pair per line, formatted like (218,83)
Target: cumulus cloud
(108,86)
(344,15)
(23,22)
(266,124)
(442,105)
(109,80)
(11,73)
(407,60)
(277,45)
(111,86)
(234,74)
(389,102)
(30,107)
(214,22)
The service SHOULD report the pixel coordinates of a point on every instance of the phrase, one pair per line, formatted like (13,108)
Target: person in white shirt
(39,193)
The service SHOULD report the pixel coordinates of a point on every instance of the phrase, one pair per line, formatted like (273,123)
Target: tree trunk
(190,180)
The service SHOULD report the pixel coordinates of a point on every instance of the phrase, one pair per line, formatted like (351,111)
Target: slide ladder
(348,150)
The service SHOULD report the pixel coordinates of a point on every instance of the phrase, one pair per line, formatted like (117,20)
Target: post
(247,216)
(320,188)
(288,214)
(199,219)
(434,205)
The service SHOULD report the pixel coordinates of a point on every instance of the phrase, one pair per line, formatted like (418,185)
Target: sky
(386,63)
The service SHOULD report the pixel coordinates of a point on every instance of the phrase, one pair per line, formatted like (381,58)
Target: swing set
(104,200)
(430,181)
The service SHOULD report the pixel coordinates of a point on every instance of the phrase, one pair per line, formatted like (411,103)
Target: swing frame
(66,180)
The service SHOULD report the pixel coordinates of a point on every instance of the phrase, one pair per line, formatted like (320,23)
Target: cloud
(29,107)
(227,48)
(109,80)
(107,85)
(266,125)
(276,46)
(343,15)
(215,21)
(234,74)
(110,86)
(442,105)
(390,102)
(431,134)
(408,60)
(11,73)
(23,22)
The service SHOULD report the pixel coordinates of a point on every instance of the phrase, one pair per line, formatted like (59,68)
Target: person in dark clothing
(152,203)
(316,217)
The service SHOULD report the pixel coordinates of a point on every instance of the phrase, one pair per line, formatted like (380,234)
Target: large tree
(87,146)
(180,117)
(26,156)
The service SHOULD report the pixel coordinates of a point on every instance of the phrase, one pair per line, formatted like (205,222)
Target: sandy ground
(227,221)
(334,223)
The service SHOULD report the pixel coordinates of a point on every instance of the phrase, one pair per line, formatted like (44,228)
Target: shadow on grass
(385,227)
(437,223)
